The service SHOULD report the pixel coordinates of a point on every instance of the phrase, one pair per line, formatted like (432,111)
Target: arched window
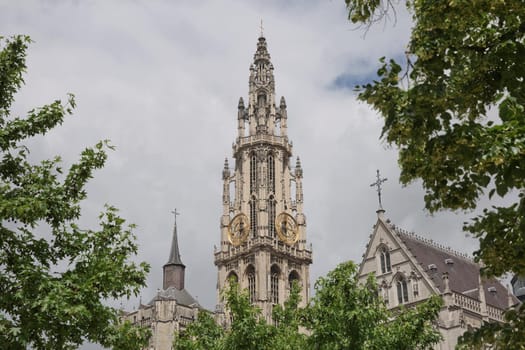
(232,277)
(253,217)
(271,173)
(250,274)
(271,216)
(402,290)
(253,173)
(294,276)
(274,284)
(384,257)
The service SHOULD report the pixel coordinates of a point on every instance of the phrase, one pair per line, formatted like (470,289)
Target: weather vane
(377,184)
(261,27)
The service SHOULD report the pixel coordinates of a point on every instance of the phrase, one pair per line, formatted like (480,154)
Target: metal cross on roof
(377,184)
(175,213)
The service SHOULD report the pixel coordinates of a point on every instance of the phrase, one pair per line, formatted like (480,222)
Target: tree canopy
(56,275)
(344,314)
(464,60)
(456,111)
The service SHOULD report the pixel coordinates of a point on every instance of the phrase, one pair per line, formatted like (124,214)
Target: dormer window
(384,257)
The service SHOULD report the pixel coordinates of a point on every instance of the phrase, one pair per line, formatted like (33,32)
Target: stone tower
(263,228)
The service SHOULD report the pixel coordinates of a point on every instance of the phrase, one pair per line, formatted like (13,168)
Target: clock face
(238,229)
(287,228)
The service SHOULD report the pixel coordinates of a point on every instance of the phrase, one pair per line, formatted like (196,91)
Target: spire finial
(262,29)
(377,184)
(175,213)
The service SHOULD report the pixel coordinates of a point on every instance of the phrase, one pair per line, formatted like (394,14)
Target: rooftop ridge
(430,242)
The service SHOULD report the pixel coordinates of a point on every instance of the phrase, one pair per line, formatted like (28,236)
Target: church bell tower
(263,228)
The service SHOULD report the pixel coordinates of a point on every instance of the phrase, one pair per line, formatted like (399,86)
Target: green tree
(55,275)
(464,59)
(345,314)
(455,109)
(203,334)
(288,319)
(247,328)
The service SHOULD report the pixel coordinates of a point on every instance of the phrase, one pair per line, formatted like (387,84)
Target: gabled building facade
(409,269)
(263,228)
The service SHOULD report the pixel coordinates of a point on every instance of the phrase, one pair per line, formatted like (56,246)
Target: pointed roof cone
(174,258)
(283,102)
(241,103)
(298,168)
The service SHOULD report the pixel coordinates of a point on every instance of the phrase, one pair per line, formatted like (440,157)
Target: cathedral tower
(263,228)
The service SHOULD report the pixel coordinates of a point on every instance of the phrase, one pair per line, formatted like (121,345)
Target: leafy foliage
(464,59)
(54,273)
(342,315)
(247,328)
(203,334)
(460,121)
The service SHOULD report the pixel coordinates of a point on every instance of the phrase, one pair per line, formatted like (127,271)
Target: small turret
(226,170)
(241,117)
(298,168)
(282,105)
(284,116)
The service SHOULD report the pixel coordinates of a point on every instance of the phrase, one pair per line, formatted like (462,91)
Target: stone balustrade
(467,303)
(474,305)
(263,138)
(295,251)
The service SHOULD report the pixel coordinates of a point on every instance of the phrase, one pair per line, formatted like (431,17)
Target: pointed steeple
(261,101)
(174,268)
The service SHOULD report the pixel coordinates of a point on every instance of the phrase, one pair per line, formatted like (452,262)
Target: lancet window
(274,284)
(384,257)
(250,273)
(253,216)
(270,166)
(402,290)
(271,216)
(253,173)
(232,277)
(293,277)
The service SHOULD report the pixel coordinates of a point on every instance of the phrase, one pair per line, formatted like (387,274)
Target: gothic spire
(173,270)
(174,252)
(261,70)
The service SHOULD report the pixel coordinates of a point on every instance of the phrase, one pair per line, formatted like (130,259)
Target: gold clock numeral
(287,228)
(238,229)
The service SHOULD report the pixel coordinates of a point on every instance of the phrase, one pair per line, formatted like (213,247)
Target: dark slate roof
(174,258)
(463,272)
(182,296)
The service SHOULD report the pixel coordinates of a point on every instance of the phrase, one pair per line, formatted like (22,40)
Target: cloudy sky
(161,80)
